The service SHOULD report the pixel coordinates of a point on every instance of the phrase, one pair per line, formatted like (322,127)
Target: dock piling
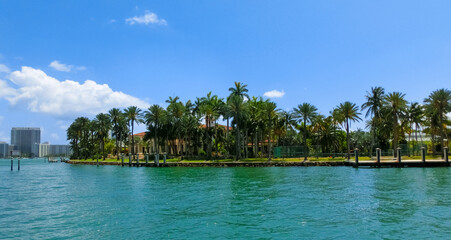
(164,159)
(356,152)
(378,156)
(137,159)
(129,160)
(423,155)
(122,158)
(12,164)
(147,158)
(18,164)
(398,154)
(157,160)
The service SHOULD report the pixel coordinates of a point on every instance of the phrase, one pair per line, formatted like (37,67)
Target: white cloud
(64,67)
(4,68)
(148,18)
(44,94)
(6,90)
(274,94)
(60,66)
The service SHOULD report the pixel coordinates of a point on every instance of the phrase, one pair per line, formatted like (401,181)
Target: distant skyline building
(4,150)
(51,150)
(26,140)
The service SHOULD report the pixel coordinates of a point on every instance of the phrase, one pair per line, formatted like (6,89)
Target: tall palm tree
(239,90)
(305,113)
(439,102)
(374,103)
(270,113)
(396,106)
(210,108)
(154,119)
(346,112)
(133,115)
(103,126)
(116,117)
(237,106)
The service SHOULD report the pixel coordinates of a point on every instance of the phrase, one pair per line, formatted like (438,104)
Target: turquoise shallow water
(62,201)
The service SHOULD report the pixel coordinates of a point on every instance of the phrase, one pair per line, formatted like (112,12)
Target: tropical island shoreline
(364,162)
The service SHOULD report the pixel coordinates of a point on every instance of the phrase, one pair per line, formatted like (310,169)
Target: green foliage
(255,125)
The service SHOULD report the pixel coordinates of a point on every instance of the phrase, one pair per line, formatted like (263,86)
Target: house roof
(139,134)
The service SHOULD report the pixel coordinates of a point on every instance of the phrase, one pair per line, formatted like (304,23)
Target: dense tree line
(255,125)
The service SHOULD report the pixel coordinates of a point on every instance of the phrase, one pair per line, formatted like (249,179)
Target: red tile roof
(139,134)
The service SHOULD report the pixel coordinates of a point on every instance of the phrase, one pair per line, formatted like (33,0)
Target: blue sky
(142,52)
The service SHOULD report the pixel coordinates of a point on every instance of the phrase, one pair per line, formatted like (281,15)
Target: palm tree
(133,115)
(374,103)
(326,133)
(270,113)
(416,114)
(237,106)
(396,105)
(176,111)
(154,119)
(346,112)
(116,117)
(439,103)
(103,126)
(239,90)
(74,134)
(305,113)
(210,108)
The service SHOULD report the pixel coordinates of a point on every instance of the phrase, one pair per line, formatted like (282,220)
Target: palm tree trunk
(237,142)
(133,142)
(347,138)
(305,140)
(255,144)
(155,139)
(269,144)
(395,135)
(103,148)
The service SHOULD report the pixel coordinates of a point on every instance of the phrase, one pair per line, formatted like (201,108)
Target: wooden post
(423,155)
(12,164)
(97,161)
(378,156)
(147,159)
(129,160)
(398,153)
(356,152)
(156,160)
(137,159)
(18,164)
(446,154)
(122,158)
(164,159)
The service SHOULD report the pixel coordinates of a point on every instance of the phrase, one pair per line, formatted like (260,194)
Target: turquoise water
(57,200)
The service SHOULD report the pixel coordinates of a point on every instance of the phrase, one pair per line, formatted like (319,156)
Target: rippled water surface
(57,200)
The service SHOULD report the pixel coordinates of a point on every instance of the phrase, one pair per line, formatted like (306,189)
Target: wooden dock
(402,164)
